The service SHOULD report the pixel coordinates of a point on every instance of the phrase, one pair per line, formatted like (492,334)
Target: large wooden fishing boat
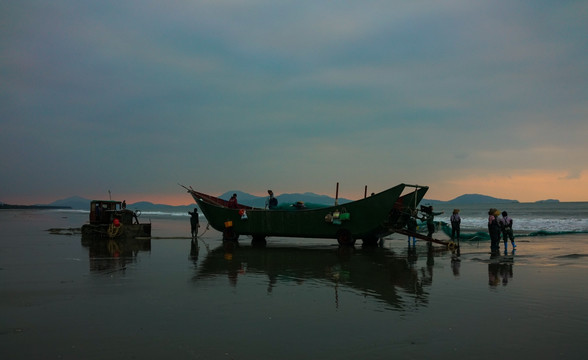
(369,219)
(111,219)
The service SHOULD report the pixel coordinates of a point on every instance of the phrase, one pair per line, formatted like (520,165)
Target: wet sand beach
(293,299)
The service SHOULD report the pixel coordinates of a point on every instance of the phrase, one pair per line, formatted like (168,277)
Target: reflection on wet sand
(110,255)
(381,273)
(500,269)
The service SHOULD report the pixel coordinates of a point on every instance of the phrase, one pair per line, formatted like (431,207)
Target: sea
(171,297)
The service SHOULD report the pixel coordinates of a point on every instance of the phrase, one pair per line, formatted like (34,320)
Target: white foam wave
(534,224)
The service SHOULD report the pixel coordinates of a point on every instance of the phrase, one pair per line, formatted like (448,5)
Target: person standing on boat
(507,230)
(430,218)
(233,202)
(271,202)
(455,224)
(194,222)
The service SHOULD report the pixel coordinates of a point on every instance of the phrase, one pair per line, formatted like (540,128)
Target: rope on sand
(199,237)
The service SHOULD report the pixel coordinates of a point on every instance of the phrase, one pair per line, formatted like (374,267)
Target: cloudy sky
(136,96)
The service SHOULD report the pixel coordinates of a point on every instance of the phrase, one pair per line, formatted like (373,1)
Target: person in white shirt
(507,233)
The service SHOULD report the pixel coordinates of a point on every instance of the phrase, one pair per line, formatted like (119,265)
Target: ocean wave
(482,234)
(71,211)
(533,225)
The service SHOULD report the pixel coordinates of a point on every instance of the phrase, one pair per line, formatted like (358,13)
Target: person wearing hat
(455,224)
(494,230)
(194,222)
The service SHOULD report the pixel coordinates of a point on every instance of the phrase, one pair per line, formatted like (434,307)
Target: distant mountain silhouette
(471,199)
(79,203)
(75,202)
(242,197)
(259,201)
(147,206)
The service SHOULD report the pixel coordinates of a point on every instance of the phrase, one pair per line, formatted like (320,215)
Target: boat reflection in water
(110,255)
(399,280)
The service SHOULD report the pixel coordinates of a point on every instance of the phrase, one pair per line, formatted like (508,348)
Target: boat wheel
(371,240)
(230,234)
(258,241)
(345,238)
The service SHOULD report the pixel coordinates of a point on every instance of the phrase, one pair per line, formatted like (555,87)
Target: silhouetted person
(194,222)
(271,202)
(455,224)
(494,230)
(430,218)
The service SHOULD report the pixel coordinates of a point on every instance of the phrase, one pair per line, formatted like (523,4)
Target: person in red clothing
(233,202)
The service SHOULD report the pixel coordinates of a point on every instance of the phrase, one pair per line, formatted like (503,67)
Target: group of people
(498,225)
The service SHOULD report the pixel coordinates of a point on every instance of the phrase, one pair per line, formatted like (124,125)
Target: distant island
(472,199)
(547,201)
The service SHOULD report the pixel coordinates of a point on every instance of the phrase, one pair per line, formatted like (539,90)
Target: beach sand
(295,298)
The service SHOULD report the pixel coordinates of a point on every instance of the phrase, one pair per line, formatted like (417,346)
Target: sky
(138,96)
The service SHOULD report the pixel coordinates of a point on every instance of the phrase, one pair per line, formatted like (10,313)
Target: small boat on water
(111,219)
(369,219)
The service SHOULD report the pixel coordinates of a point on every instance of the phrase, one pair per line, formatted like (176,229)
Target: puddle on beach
(293,298)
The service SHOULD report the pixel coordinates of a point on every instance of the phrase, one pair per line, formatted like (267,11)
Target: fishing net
(478,235)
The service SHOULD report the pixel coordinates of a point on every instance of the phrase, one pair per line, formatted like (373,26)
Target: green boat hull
(369,219)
